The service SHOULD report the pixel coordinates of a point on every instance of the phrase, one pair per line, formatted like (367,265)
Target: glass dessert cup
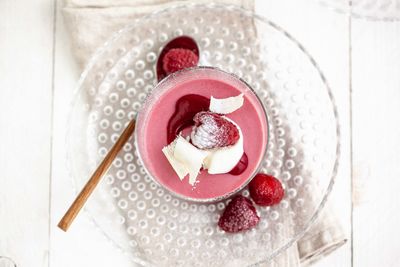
(152,122)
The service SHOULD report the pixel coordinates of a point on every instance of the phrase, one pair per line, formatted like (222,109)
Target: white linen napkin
(92,22)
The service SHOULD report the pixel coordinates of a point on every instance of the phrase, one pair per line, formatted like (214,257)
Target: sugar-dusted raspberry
(178,59)
(266,190)
(212,130)
(239,215)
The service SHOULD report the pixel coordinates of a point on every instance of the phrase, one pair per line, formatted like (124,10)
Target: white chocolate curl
(226,105)
(185,158)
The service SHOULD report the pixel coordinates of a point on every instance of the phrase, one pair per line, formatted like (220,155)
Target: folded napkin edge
(320,244)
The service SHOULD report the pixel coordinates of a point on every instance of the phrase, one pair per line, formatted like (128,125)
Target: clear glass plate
(144,220)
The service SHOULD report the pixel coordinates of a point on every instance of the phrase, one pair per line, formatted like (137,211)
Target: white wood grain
(26,45)
(83,244)
(376,143)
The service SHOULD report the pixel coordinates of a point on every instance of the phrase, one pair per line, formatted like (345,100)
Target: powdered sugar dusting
(239,215)
(213,131)
(200,134)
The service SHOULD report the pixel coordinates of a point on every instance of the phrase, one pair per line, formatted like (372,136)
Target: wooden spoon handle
(81,199)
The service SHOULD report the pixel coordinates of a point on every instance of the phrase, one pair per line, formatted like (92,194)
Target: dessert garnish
(266,190)
(185,43)
(224,159)
(178,59)
(185,158)
(185,109)
(215,142)
(239,215)
(226,105)
(212,130)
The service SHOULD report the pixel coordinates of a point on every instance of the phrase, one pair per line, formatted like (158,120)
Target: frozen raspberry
(239,215)
(266,190)
(212,130)
(178,59)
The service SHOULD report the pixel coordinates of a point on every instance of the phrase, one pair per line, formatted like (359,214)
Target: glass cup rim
(140,114)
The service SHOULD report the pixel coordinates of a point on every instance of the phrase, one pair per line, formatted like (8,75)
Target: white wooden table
(361,60)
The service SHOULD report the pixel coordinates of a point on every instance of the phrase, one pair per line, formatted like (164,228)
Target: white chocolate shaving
(185,158)
(226,105)
(178,167)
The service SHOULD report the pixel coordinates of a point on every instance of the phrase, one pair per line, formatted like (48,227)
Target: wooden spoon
(185,42)
(87,190)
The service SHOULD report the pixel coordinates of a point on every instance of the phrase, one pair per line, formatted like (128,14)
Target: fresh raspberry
(212,130)
(266,190)
(239,215)
(178,59)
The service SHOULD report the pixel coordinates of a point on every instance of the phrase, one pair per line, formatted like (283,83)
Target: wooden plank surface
(83,244)
(26,43)
(26,47)
(376,142)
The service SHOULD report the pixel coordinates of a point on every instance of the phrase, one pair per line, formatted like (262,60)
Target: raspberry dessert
(202,134)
